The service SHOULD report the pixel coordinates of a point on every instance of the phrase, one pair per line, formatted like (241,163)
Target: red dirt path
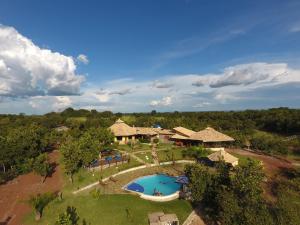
(14,193)
(271,164)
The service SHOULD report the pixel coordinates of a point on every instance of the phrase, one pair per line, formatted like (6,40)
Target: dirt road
(14,194)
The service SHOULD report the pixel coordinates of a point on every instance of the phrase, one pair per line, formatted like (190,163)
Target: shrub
(39,202)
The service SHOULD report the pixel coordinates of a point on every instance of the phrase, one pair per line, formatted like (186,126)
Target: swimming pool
(158,184)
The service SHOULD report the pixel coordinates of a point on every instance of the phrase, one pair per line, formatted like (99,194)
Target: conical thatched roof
(120,128)
(183,131)
(210,135)
(223,155)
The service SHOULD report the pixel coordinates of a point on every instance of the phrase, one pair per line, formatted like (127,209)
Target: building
(148,133)
(123,133)
(209,138)
(159,218)
(212,139)
(182,135)
(223,155)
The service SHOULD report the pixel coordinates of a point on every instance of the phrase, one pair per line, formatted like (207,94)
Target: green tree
(42,166)
(71,156)
(69,217)
(199,179)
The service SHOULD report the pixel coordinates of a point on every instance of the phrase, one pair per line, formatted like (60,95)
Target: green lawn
(85,177)
(243,159)
(142,155)
(166,155)
(111,209)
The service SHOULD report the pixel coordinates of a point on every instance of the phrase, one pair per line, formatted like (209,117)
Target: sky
(138,56)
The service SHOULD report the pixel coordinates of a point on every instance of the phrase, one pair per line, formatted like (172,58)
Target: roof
(157,217)
(145,131)
(183,131)
(210,135)
(168,218)
(178,136)
(166,132)
(222,155)
(120,128)
(61,128)
(154,217)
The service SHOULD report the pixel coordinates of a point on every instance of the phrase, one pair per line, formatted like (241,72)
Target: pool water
(162,183)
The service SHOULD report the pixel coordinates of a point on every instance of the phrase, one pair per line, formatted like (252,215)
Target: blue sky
(167,55)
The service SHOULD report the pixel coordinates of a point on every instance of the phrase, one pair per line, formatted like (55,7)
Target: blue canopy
(182,180)
(135,187)
(109,158)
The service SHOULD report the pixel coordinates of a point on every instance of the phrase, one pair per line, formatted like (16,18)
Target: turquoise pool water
(161,183)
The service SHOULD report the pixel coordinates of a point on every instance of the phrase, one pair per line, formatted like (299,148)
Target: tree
(42,166)
(39,202)
(89,148)
(199,180)
(71,157)
(69,217)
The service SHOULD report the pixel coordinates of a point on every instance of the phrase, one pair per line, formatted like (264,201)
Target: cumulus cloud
(249,74)
(165,101)
(56,103)
(28,70)
(121,92)
(83,58)
(158,84)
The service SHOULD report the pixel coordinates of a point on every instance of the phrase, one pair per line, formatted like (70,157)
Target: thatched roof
(120,128)
(145,131)
(210,135)
(165,132)
(180,137)
(223,155)
(183,131)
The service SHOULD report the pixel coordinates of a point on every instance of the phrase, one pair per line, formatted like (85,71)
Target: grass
(85,177)
(121,209)
(244,159)
(146,156)
(166,155)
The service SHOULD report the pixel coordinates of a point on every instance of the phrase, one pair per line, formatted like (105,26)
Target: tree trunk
(71,178)
(38,215)
(44,179)
(3,166)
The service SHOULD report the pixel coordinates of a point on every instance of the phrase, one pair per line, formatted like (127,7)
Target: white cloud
(201,104)
(295,28)
(49,103)
(165,101)
(83,58)
(28,70)
(159,84)
(236,87)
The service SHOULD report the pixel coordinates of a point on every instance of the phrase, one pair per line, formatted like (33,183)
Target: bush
(268,143)
(39,202)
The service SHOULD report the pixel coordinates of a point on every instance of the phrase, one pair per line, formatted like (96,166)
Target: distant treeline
(278,120)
